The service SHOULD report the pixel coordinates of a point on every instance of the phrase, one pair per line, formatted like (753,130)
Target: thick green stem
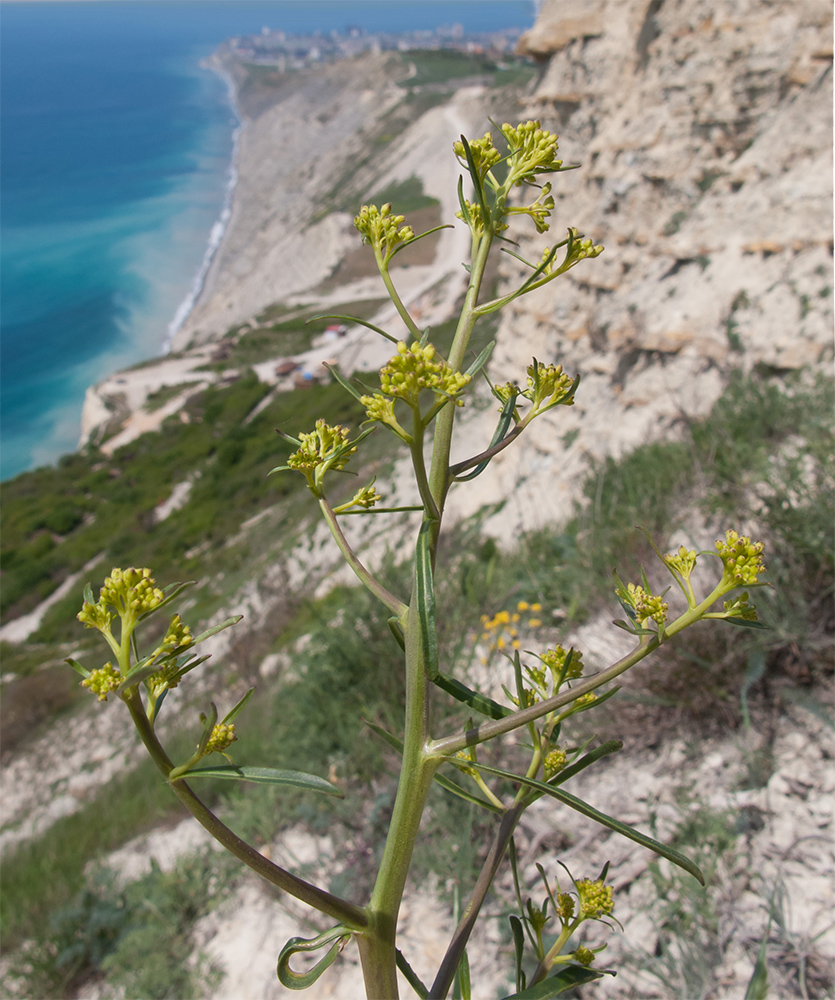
(377,945)
(347,913)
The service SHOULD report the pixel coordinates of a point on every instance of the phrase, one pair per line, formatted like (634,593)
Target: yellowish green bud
(555,658)
(323,448)
(413,369)
(741,557)
(382,229)
(131,592)
(555,761)
(595,898)
(584,956)
(103,681)
(646,605)
(738,607)
(565,906)
(683,561)
(484,153)
(223,736)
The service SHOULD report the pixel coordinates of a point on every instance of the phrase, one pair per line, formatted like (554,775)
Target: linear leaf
(266,776)
(346,385)
(480,702)
(408,243)
(602,818)
(236,711)
(215,629)
(426,601)
(565,979)
(361,322)
(77,667)
(296,981)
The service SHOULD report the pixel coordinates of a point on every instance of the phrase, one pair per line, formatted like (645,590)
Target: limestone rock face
(704,134)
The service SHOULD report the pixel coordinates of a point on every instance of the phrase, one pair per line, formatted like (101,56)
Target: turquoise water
(116,168)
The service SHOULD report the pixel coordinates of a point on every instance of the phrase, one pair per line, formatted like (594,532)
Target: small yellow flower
(103,681)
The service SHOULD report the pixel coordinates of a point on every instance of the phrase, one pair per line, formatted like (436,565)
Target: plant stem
(377,945)
(394,604)
(351,915)
(446,972)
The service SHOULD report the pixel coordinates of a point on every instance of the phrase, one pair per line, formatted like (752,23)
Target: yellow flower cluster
(322,445)
(484,153)
(502,630)
(413,369)
(477,219)
(533,149)
(547,382)
(683,561)
(130,592)
(583,956)
(103,681)
(382,229)
(555,761)
(554,659)
(565,906)
(742,558)
(595,898)
(646,605)
(178,634)
(223,736)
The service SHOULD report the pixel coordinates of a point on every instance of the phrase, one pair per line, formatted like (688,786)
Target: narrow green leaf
(758,983)
(77,667)
(88,594)
(481,360)
(385,736)
(361,322)
(462,977)
(519,948)
(508,409)
(465,212)
(566,979)
(411,242)
(411,976)
(295,981)
(611,746)
(426,601)
(480,702)
(477,185)
(608,821)
(397,631)
(346,385)
(266,776)
(208,725)
(744,623)
(236,711)
(215,629)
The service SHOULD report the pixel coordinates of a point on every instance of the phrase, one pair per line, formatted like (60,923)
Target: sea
(117,168)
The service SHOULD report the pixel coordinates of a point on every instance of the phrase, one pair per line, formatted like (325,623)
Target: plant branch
(351,915)
(394,604)
(449,965)
(450,745)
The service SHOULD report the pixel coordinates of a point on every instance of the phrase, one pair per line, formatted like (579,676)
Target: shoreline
(219,228)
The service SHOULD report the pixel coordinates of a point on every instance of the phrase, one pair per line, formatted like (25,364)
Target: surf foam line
(219,228)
